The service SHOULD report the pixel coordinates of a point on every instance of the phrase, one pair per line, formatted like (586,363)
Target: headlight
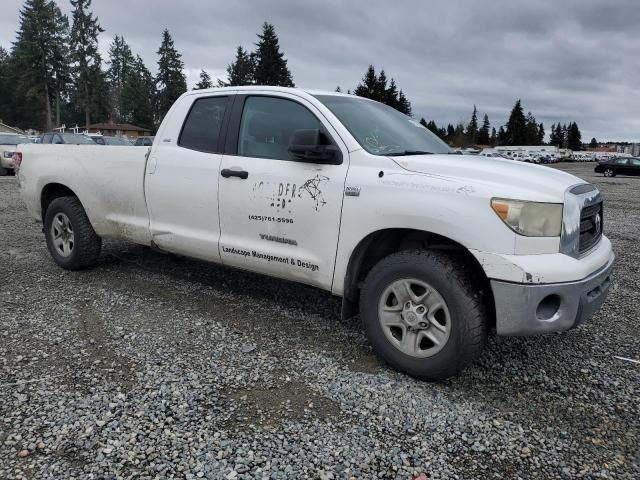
(531,219)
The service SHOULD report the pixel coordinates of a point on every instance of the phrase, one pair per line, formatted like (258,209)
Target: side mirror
(311,145)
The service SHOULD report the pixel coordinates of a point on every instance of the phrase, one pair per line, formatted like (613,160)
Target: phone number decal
(267,218)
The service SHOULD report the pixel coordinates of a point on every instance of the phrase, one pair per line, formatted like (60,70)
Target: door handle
(228,172)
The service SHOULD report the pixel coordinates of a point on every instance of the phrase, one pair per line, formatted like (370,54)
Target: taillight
(17,160)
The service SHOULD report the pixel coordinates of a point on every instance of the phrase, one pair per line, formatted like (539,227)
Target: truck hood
(496,176)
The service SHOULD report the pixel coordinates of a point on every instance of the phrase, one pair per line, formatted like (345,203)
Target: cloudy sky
(566,59)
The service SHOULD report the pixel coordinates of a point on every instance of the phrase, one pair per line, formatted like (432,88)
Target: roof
(117,126)
(13,129)
(268,88)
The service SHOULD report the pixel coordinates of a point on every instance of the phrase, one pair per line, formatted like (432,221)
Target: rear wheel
(423,314)
(71,240)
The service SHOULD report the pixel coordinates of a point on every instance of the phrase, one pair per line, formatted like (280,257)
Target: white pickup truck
(348,195)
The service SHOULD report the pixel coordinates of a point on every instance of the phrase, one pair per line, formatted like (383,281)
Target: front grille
(591,222)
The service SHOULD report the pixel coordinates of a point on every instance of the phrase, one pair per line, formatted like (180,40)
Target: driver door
(278,215)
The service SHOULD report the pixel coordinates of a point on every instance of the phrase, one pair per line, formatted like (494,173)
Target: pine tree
(423,122)
(391,95)
(241,71)
(270,64)
(404,106)
(516,126)
(502,137)
(121,63)
(38,67)
(381,93)
(541,134)
(484,132)
(593,143)
(6,86)
(451,133)
(89,78)
(574,137)
(205,81)
(367,88)
(493,140)
(138,95)
(531,130)
(564,136)
(171,81)
(472,128)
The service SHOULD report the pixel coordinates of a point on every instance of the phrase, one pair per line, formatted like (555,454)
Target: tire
(466,314)
(71,240)
(609,172)
(3,171)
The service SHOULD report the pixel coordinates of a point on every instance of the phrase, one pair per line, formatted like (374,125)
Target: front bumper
(531,309)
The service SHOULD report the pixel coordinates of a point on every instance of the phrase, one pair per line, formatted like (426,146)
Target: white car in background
(8,144)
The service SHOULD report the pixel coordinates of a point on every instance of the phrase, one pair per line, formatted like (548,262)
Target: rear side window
(201,129)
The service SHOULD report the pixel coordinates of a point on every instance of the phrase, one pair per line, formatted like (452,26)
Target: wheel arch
(381,243)
(50,192)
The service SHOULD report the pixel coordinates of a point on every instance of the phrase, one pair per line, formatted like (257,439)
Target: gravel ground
(150,366)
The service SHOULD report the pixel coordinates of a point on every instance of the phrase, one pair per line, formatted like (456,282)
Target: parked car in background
(107,140)
(60,138)
(144,141)
(619,166)
(8,143)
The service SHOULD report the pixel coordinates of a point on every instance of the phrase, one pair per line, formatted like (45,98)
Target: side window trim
(223,127)
(233,134)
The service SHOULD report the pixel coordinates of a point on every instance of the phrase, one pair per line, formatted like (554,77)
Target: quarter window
(267,125)
(201,129)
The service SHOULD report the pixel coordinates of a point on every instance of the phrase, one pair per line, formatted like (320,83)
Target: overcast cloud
(566,59)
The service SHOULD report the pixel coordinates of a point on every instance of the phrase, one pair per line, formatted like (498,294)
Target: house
(4,128)
(118,129)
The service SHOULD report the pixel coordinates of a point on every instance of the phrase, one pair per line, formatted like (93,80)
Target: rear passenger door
(181,181)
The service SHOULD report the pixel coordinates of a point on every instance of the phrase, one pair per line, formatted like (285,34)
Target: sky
(567,60)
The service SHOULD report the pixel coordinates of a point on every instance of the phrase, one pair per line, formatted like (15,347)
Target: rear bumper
(531,309)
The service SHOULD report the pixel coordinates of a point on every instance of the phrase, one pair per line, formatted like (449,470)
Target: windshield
(13,139)
(380,129)
(77,139)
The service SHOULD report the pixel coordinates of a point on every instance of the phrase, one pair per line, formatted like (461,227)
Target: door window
(267,125)
(201,129)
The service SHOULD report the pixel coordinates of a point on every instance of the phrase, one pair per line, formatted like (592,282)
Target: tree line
(54,74)
(520,129)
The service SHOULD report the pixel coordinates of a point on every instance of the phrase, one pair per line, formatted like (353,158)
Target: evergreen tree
(138,95)
(367,88)
(171,81)
(241,71)
(451,133)
(423,122)
(564,136)
(493,140)
(90,84)
(574,137)
(541,134)
(484,132)
(6,86)
(515,133)
(38,68)
(404,105)
(121,63)
(593,143)
(205,81)
(380,90)
(472,128)
(391,95)
(502,136)
(270,64)
(531,130)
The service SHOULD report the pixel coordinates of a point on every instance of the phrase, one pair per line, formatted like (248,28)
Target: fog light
(548,307)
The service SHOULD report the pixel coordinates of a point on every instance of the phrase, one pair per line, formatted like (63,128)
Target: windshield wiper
(409,152)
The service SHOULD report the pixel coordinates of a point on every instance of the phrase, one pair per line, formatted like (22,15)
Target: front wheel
(71,240)
(608,172)
(423,314)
